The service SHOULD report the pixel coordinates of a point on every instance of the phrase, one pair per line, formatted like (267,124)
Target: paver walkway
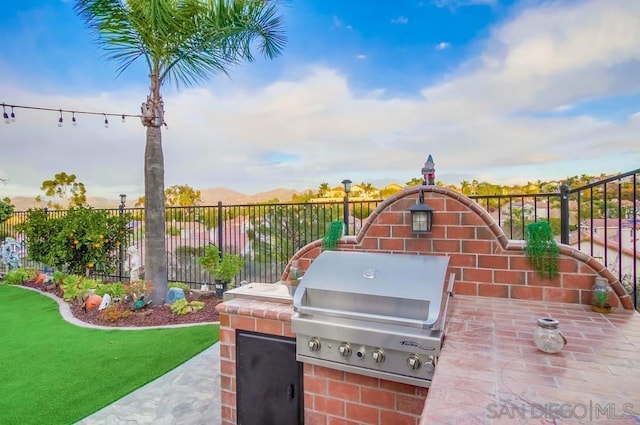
(187,395)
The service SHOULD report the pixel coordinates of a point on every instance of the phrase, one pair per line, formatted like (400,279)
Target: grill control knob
(378,355)
(413,362)
(314,344)
(430,364)
(345,349)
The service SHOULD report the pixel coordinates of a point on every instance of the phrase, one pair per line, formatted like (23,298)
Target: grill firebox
(374,314)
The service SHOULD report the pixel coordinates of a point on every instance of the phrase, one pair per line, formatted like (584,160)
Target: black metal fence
(600,219)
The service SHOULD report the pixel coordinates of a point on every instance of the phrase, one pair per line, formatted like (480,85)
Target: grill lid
(391,288)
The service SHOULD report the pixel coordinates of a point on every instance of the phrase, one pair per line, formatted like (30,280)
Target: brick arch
(485,261)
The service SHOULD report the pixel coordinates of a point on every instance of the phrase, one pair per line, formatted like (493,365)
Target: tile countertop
(490,371)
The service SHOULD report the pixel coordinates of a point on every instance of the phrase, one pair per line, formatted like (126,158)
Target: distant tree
(415,181)
(388,191)
(323,189)
(279,232)
(367,188)
(65,187)
(6,211)
(182,196)
(303,197)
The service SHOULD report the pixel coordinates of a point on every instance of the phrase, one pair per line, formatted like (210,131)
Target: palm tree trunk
(155,268)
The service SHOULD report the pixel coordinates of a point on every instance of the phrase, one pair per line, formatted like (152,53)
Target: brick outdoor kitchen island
(489,370)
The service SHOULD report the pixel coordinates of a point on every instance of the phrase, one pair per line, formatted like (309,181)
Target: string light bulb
(9,116)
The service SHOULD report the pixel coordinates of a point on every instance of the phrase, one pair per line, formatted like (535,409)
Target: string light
(12,118)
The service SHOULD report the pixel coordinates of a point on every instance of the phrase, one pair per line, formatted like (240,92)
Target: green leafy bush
(70,287)
(115,290)
(228,268)
(183,306)
(6,211)
(84,241)
(180,285)
(209,261)
(17,276)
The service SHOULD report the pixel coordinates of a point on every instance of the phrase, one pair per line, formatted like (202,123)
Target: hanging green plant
(541,249)
(333,235)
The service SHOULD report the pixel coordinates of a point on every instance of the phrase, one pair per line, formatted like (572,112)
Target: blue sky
(504,91)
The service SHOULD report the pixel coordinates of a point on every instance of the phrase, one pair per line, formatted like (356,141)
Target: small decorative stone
(174,295)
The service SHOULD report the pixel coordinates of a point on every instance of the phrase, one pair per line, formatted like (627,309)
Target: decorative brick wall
(484,261)
(485,264)
(331,397)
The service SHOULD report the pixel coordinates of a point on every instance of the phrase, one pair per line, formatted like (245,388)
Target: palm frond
(184,41)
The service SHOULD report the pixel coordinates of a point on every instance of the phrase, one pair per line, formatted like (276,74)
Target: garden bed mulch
(149,316)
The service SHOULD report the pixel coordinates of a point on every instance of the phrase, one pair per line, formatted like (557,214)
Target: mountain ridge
(209,197)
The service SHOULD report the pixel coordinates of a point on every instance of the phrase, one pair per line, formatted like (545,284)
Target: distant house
(608,251)
(613,242)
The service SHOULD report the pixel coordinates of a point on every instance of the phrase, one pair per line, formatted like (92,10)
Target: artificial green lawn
(52,372)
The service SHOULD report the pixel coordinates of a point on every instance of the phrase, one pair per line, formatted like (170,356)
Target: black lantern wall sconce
(422,214)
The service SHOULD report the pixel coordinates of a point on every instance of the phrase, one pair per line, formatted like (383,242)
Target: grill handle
(371,317)
(450,294)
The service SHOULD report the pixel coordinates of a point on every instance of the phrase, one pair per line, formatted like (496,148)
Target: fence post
(564,213)
(345,217)
(220,246)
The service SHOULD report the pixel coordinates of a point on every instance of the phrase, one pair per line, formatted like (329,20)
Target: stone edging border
(66,314)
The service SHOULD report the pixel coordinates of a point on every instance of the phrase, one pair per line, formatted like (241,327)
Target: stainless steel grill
(375,314)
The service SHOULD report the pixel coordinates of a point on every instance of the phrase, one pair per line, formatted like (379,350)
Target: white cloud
(550,56)
(477,122)
(402,20)
(361,56)
(442,46)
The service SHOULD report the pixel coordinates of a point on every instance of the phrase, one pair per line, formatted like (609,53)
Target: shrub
(139,288)
(70,287)
(6,211)
(16,277)
(115,312)
(115,290)
(183,306)
(209,261)
(229,267)
(182,286)
(84,241)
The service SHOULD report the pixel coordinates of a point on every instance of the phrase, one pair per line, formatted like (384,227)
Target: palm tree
(414,182)
(182,42)
(367,187)
(323,189)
